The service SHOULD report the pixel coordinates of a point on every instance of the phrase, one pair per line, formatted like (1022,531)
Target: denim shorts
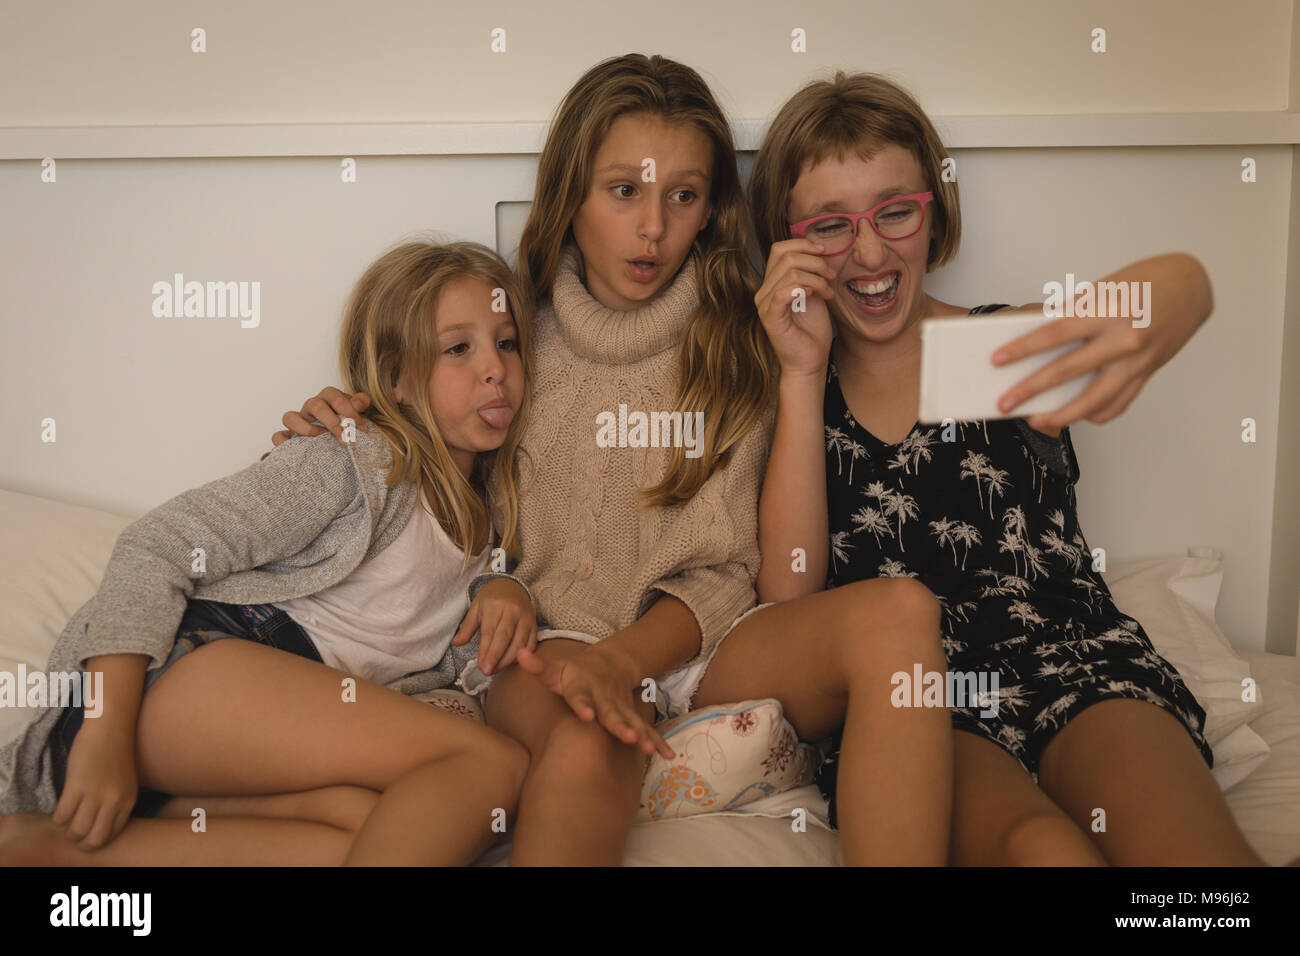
(202,623)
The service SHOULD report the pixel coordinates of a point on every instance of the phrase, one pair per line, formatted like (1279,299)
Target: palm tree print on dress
(835,442)
(856,451)
(1009,565)
(840,547)
(897,503)
(977,466)
(1012,738)
(894,569)
(869,519)
(1055,544)
(1007,584)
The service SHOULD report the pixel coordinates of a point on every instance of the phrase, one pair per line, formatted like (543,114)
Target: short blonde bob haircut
(849,114)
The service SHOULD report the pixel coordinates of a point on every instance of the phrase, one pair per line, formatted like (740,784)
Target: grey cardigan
(293,524)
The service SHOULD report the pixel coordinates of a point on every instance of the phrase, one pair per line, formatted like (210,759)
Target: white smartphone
(960,381)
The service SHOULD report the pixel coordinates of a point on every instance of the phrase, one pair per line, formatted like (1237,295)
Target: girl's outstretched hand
(801,338)
(328,408)
(101,785)
(1178,301)
(1123,358)
(599,683)
(504,613)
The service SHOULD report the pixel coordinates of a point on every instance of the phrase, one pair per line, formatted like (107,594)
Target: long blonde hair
(390,336)
(850,113)
(725,364)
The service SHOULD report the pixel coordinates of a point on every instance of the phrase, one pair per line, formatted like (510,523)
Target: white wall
(386,61)
(147,407)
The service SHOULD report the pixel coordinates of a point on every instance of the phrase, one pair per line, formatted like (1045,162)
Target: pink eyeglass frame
(800,228)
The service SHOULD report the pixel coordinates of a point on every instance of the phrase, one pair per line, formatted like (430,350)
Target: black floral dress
(983,513)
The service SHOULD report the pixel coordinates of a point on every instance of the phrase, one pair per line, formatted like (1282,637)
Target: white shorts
(676,689)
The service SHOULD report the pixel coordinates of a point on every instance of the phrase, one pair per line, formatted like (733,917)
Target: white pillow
(52,558)
(1173,598)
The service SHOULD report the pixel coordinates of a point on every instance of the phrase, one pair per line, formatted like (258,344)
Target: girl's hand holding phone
(101,786)
(329,408)
(1124,353)
(1123,357)
(503,611)
(600,683)
(800,337)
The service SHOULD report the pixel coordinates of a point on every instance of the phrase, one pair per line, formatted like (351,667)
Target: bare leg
(236,718)
(31,839)
(828,658)
(442,813)
(344,807)
(1136,762)
(1001,818)
(580,798)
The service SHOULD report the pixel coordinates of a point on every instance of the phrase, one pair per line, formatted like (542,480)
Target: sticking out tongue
(499,417)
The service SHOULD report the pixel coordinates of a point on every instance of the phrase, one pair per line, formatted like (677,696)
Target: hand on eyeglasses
(792,306)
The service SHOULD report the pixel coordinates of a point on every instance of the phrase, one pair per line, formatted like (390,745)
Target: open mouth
(876,294)
(644,270)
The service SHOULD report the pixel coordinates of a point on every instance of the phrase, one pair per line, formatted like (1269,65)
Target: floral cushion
(727,756)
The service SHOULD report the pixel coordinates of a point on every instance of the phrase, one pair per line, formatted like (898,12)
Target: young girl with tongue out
(259,637)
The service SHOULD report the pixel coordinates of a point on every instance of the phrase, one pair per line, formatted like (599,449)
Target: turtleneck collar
(615,337)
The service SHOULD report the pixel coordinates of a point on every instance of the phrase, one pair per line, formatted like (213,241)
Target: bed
(53,554)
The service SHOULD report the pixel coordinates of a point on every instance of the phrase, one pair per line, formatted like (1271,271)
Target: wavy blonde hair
(390,336)
(852,113)
(725,364)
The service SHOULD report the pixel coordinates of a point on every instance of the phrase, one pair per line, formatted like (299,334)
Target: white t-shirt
(397,612)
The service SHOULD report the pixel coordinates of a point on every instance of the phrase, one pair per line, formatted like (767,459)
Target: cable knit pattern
(592,557)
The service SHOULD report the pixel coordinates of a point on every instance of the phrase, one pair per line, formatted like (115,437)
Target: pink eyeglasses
(893,219)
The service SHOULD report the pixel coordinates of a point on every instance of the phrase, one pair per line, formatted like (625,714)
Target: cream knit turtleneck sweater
(593,559)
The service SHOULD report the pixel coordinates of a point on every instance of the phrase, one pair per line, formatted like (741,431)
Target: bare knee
(502,757)
(1047,839)
(911,599)
(891,622)
(581,750)
(512,758)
